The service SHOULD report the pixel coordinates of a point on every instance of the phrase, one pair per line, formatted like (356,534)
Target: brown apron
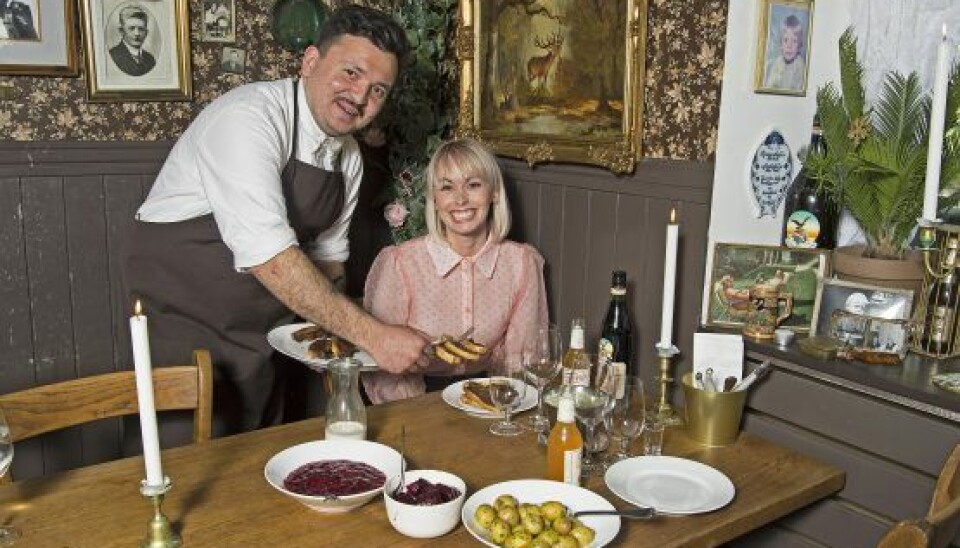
(194,298)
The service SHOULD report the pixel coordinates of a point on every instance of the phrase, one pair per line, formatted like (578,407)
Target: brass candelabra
(161,533)
(668,415)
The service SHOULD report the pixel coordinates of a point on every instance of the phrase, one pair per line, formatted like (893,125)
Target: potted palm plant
(875,163)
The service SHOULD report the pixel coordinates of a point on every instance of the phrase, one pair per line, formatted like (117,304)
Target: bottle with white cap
(565,445)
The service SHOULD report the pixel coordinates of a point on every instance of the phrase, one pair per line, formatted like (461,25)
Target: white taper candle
(669,282)
(140,339)
(938,110)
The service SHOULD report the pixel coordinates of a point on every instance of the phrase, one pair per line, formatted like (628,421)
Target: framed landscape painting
(738,267)
(554,80)
(37,38)
(137,50)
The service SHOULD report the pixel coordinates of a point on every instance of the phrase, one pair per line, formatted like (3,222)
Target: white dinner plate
(452,393)
(281,339)
(671,485)
(539,491)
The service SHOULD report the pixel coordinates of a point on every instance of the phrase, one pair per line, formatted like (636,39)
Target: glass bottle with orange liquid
(565,445)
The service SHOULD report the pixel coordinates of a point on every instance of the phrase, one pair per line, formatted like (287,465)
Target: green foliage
(875,162)
(417,120)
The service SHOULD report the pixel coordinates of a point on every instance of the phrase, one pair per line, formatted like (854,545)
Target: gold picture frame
(38,38)
(552,86)
(137,50)
(783,49)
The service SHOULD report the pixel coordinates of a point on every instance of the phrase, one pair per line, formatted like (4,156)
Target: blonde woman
(463,275)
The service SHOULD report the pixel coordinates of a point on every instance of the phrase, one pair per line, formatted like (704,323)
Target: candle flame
(137,308)
(673,215)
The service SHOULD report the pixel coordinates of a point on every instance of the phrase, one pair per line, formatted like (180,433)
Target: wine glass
(541,362)
(627,416)
(7,534)
(591,404)
(507,391)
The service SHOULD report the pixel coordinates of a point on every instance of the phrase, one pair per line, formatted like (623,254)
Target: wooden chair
(43,409)
(942,521)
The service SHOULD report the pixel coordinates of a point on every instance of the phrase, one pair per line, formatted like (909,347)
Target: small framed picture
(219,21)
(866,334)
(37,38)
(783,46)
(233,60)
(736,269)
(137,50)
(861,300)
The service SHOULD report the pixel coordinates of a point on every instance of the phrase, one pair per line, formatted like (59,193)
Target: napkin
(720,352)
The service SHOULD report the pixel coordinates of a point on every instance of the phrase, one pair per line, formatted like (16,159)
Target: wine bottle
(941,320)
(565,445)
(614,358)
(809,213)
(576,368)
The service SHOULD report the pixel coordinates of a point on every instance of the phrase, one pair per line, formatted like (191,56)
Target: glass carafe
(346,415)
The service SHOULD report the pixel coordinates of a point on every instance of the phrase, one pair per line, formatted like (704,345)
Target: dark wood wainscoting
(64,208)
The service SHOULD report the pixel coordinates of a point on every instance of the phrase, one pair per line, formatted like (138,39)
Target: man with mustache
(246,224)
(129,55)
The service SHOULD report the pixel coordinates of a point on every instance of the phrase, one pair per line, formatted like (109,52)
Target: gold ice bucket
(713,418)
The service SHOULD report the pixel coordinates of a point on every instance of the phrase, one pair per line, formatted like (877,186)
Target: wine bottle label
(604,354)
(616,381)
(571,466)
(802,229)
(577,377)
(576,338)
(940,324)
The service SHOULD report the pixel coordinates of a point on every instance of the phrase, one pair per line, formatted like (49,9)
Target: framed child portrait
(784,46)
(137,50)
(737,269)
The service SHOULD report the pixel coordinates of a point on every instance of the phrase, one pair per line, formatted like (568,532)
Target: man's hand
(398,349)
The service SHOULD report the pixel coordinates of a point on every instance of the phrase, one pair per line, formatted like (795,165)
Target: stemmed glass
(7,534)
(591,403)
(507,391)
(541,362)
(626,418)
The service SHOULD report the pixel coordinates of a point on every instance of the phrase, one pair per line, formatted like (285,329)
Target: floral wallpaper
(682,101)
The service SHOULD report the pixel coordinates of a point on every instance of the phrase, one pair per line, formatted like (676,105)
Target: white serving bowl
(424,521)
(384,458)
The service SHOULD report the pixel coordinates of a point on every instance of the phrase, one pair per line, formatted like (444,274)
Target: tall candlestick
(669,282)
(938,111)
(140,339)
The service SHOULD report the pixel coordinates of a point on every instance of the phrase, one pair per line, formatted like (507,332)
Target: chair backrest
(942,521)
(47,408)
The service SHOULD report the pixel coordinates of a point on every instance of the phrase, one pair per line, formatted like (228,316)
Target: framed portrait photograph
(784,46)
(37,38)
(737,269)
(137,50)
(219,21)
(233,60)
(862,300)
(548,85)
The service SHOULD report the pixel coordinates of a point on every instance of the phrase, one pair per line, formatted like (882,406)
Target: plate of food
(473,397)
(315,347)
(670,484)
(537,502)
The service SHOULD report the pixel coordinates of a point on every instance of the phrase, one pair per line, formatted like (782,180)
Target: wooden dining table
(220,498)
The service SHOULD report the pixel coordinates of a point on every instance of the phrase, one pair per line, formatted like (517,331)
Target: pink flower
(395,213)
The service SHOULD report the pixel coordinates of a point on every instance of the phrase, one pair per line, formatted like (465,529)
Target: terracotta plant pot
(907,273)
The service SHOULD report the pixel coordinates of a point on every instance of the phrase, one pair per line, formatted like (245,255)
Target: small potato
(499,531)
(583,534)
(567,541)
(529,509)
(519,539)
(552,510)
(505,500)
(549,536)
(510,515)
(484,516)
(563,526)
(533,524)
(540,543)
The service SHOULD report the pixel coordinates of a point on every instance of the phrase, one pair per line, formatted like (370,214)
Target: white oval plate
(539,491)
(281,339)
(452,393)
(671,485)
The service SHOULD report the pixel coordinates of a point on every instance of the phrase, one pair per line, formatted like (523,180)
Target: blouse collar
(445,259)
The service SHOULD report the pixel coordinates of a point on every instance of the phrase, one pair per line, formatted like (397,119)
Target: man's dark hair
(374,25)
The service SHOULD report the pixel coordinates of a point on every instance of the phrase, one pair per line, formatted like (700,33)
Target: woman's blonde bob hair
(472,159)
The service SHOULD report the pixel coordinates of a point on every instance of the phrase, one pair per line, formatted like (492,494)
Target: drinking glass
(541,362)
(591,404)
(627,416)
(507,392)
(7,534)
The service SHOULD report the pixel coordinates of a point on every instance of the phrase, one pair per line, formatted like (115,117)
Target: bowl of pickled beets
(428,505)
(333,476)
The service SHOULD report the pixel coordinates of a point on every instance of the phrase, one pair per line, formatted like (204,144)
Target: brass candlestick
(161,534)
(668,416)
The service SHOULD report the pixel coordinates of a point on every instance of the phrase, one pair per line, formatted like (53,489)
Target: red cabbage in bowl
(424,493)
